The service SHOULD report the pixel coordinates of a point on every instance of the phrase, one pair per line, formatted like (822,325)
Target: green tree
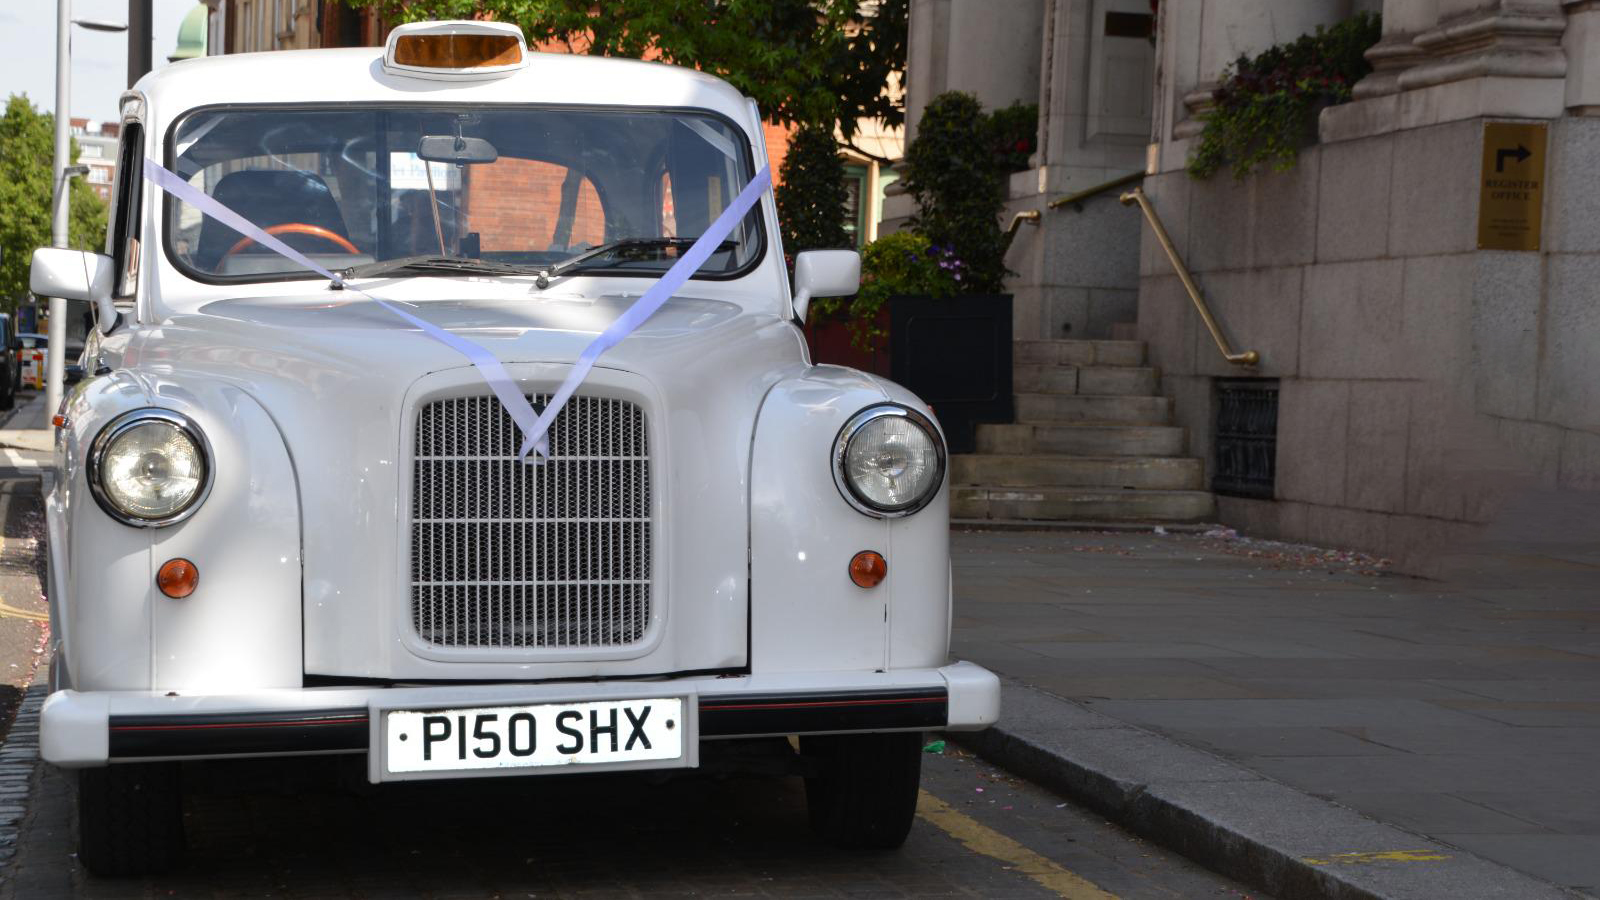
(27,148)
(953,172)
(812,194)
(805,61)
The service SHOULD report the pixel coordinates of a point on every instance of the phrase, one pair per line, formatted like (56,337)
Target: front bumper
(84,729)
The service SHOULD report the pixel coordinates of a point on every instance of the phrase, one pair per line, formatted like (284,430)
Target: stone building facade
(1429,391)
(1428,385)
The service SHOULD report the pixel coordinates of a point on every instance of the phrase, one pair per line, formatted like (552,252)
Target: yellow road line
(983,839)
(1376,856)
(7,609)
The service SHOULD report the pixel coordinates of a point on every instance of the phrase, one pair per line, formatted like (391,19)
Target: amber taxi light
(177,578)
(457,51)
(868,569)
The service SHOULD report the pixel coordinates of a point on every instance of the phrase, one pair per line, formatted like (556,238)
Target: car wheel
(865,792)
(9,398)
(130,818)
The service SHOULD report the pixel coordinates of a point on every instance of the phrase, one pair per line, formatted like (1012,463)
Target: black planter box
(955,353)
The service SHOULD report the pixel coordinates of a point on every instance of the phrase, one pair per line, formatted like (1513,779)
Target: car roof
(357,75)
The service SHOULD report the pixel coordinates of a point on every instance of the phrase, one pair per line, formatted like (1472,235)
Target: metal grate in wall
(1246,437)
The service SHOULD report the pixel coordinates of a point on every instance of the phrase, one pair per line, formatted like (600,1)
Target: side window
(122,238)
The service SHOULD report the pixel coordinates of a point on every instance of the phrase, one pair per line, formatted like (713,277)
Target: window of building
(855,189)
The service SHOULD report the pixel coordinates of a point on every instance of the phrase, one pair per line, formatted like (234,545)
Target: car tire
(9,399)
(130,819)
(864,794)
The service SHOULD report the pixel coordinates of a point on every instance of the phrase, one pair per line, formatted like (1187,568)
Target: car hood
(337,376)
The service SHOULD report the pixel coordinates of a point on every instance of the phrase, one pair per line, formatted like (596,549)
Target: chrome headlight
(888,461)
(149,467)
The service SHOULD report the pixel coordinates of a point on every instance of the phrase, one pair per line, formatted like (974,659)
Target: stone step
(1141,472)
(1096,408)
(1129,381)
(1083,440)
(1040,379)
(1079,504)
(1078,353)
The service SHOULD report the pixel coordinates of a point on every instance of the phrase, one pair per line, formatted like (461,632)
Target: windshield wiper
(572,263)
(434,263)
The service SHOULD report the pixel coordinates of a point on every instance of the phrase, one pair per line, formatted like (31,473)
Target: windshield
(515,187)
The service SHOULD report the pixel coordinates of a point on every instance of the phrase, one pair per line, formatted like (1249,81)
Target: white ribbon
(534,426)
(635,315)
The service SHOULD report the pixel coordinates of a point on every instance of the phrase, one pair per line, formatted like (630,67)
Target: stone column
(1518,39)
(1403,20)
(927,48)
(1582,45)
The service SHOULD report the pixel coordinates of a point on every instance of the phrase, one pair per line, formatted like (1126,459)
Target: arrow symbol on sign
(1521,153)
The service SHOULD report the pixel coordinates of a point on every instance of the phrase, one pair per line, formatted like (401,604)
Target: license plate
(603,732)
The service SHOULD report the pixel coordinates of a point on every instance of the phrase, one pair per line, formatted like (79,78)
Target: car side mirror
(824,273)
(74,275)
(72,374)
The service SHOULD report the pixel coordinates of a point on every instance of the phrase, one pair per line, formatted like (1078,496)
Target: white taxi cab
(344,293)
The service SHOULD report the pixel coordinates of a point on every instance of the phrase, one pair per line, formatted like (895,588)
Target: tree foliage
(805,61)
(812,194)
(27,149)
(953,172)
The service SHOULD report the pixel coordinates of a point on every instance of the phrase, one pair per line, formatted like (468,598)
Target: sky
(99,60)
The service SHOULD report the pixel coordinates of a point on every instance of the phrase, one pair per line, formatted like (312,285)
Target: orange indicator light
(177,578)
(457,51)
(868,569)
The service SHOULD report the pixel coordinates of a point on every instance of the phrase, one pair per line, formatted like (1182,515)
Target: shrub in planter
(901,264)
(951,170)
(811,194)
(1267,106)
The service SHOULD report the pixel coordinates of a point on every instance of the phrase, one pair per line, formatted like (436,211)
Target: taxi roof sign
(455,50)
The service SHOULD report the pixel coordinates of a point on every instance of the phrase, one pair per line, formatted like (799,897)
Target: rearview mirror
(74,275)
(824,273)
(447,148)
(69,274)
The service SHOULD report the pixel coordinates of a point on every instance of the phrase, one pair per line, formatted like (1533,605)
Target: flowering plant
(1267,105)
(903,263)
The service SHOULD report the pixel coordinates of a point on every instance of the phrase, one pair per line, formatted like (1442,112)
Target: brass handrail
(1079,197)
(1248,357)
(1031,216)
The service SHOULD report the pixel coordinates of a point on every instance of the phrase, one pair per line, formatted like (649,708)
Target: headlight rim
(132,419)
(852,427)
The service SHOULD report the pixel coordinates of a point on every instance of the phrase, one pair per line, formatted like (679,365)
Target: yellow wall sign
(1511,188)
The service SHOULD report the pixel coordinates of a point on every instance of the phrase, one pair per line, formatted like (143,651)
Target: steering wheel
(297,228)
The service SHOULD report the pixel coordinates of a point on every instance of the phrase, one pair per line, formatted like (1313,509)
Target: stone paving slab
(1465,709)
(1231,819)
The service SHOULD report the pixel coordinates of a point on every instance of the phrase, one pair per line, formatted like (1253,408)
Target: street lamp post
(54,367)
(55,353)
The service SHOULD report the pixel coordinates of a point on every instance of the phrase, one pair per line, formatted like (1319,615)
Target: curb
(1228,818)
(19,756)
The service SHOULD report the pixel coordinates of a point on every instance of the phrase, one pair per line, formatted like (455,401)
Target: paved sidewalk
(1464,710)
(26,439)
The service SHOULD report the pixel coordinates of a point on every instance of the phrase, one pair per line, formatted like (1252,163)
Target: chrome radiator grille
(506,554)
